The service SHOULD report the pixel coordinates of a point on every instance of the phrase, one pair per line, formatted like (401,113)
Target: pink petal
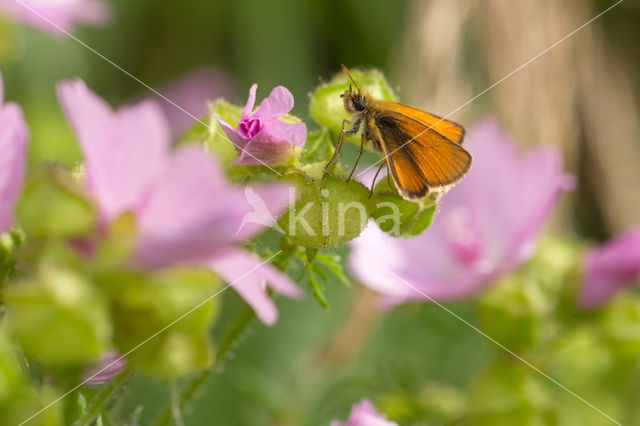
(184,216)
(238,141)
(249,276)
(365,414)
(58,16)
(278,103)
(248,108)
(108,369)
(487,226)
(125,152)
(211,214)
(13,149)
(259,153)
(278,131)
(611,267)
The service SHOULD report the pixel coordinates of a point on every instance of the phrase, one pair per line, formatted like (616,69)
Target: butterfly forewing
(421,160)
(450,130)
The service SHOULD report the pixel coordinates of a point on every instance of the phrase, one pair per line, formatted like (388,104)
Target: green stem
(98,403)
(192,388)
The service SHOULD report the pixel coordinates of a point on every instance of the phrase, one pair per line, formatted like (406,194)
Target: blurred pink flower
(185,210)
(52,15)
(611,267)
(106,370)
(191,92)
(262,137)
(365,414)
(487,226)
(13,150)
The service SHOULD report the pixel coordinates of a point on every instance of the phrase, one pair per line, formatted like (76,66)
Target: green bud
(53,206)
(620,322)
(516,313)
(145,304)
(328,212)
(318,149)
(173,353)
(399,217)
(326,106)
(510,394)
(214,137)
(59,317)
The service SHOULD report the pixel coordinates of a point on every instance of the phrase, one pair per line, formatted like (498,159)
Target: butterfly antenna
(348,74)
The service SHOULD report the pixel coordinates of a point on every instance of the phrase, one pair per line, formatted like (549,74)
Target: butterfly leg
(355,127)
(375,177)
(363,139)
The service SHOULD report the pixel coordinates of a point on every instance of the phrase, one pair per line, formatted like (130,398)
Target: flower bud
(328,212)
(326,106)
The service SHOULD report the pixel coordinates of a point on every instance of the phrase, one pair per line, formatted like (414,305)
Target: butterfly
(422,151)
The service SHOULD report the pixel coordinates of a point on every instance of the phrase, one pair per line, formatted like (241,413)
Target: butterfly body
(422,151)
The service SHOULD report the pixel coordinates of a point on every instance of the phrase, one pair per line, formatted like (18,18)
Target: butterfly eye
(359,104)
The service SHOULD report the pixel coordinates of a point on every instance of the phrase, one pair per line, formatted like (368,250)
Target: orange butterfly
(423,152)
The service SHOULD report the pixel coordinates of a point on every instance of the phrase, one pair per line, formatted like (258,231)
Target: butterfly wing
(449,129)
(420,159)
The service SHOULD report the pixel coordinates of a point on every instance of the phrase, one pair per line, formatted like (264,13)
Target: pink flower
(262,137)
(185,210)
(487,225)
(365,414)
(191,93)
(108,368)
(611,267)
(52,16)
(13,150)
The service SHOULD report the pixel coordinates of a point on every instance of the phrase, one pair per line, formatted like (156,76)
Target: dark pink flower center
(463,238)
(249,127)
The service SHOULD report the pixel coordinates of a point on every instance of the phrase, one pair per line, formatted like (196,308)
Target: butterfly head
(354,101)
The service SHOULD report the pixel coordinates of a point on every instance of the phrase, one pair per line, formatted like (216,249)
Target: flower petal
(610,268)
(125,152)
(238,141)
(364,413)
(278,103)
(487,225)
(57,17)
(278,131)
(251,101)
(13,150)
(249,276)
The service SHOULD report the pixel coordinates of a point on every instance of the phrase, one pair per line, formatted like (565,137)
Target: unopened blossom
(262,137)
(185,210)
(486,227)
(611,267)
(57,16)
(365,414)
(13,150)
(106,370)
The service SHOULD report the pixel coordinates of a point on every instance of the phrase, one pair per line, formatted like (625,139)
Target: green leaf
(333,262)
(316,287)
(53,206)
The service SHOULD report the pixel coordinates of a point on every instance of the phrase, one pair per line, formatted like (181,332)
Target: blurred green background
(416,358)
